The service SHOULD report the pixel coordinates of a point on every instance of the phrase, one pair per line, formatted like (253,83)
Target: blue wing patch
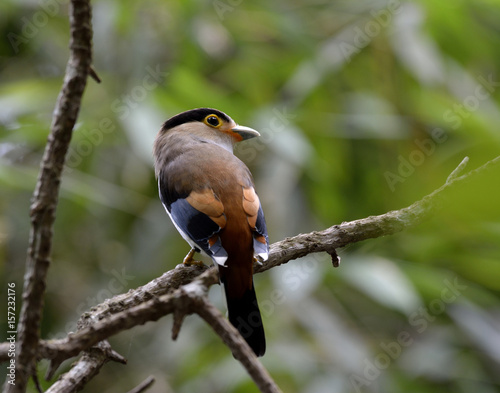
(195,227)
(260,238)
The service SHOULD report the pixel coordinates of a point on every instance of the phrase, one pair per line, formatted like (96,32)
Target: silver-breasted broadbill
(210,197)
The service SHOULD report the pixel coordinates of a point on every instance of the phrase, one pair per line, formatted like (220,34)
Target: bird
(209,194)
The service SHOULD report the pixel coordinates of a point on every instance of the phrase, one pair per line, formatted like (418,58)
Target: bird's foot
(189,261)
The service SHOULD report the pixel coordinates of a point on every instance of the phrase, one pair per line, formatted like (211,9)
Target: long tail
(244,312)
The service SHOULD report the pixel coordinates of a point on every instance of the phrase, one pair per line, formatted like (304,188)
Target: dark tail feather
(244,314)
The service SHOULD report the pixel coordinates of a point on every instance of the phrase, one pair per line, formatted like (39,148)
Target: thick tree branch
(188,299)
(141,312)
(239,347)
(123,308)
(87,367)
(45,197)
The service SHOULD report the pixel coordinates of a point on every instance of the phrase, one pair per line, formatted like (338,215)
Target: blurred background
(363,107)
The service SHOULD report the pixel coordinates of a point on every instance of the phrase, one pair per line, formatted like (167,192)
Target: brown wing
(251,205)
(207,203)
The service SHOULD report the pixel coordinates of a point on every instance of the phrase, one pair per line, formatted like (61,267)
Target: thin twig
(144,385)
(458,170)
(45,197)
(371,227)
(93,74)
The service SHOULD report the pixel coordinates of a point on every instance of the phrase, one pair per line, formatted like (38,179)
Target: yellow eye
(212,120)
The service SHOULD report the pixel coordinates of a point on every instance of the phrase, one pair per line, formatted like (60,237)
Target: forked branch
(171,293)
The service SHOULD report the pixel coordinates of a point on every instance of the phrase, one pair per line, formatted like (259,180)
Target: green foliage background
(363,106)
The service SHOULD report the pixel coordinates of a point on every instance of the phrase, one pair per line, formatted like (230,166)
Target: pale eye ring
(212,120)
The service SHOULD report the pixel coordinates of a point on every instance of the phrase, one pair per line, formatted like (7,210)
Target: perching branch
(188,299)
(281,252)
(44,202)
(160,296)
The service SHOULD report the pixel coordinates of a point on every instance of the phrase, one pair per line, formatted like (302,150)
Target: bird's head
(208,124)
